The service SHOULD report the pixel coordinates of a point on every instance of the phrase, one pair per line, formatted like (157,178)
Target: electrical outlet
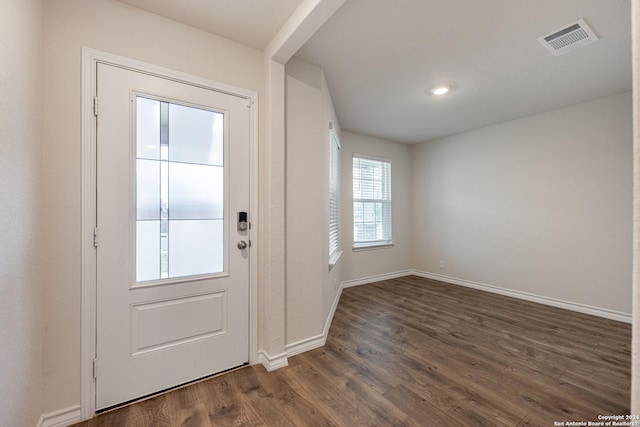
(441,264)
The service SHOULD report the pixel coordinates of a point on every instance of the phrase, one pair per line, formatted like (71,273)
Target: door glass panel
(197,136)
(147,250)
(148,128)
(197,191)
(148,189)
(195,247)
(180,191)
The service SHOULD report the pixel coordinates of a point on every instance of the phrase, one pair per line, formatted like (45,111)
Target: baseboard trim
(376,278)
(554,302)
(305,345)
(271,363)
(332,312)
(61,418)
(319,340)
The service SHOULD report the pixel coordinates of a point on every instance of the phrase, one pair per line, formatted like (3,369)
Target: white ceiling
(380,56)
(250,22)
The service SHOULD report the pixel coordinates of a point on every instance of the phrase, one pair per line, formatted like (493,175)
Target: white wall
(539,205)
(374,262)
(311,287)
(20,191)
(113,27)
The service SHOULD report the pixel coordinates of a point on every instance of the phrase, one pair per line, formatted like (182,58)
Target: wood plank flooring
(417,352)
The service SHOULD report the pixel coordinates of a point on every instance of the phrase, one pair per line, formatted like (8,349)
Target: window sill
(334,259)
(373,246)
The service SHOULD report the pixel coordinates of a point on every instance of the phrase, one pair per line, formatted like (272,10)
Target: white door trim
(90,58)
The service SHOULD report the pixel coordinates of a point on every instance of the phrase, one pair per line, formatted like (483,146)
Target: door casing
(90,59)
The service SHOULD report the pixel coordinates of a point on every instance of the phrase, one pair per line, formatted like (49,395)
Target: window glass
(334,186)
(147,250)
(148,128)
(195,135)
(371,202)
(196,191)
(195,247)
(179,190)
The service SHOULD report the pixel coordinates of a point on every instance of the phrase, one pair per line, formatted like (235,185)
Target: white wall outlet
(441,264)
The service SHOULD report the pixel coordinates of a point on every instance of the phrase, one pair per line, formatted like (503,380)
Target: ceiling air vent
(569,38)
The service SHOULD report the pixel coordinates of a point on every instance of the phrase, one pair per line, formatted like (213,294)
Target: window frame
(335,250)
(388,201)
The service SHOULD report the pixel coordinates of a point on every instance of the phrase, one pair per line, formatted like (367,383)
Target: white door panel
(172,286)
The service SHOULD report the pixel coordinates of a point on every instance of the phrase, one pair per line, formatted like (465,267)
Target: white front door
(172,273)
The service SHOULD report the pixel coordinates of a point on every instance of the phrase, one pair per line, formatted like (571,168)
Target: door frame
(88,332)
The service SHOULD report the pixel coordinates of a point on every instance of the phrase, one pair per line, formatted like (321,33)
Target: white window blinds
(371,202)
(334,186)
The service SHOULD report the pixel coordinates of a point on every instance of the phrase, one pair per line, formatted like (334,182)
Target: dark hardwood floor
(416,352)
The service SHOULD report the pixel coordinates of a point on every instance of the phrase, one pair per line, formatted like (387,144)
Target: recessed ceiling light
(441,90)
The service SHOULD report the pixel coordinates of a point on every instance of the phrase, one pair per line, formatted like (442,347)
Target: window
(180,190)
(371,202)
(334,190)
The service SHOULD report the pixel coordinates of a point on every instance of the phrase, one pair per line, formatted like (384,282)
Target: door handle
(242,245)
